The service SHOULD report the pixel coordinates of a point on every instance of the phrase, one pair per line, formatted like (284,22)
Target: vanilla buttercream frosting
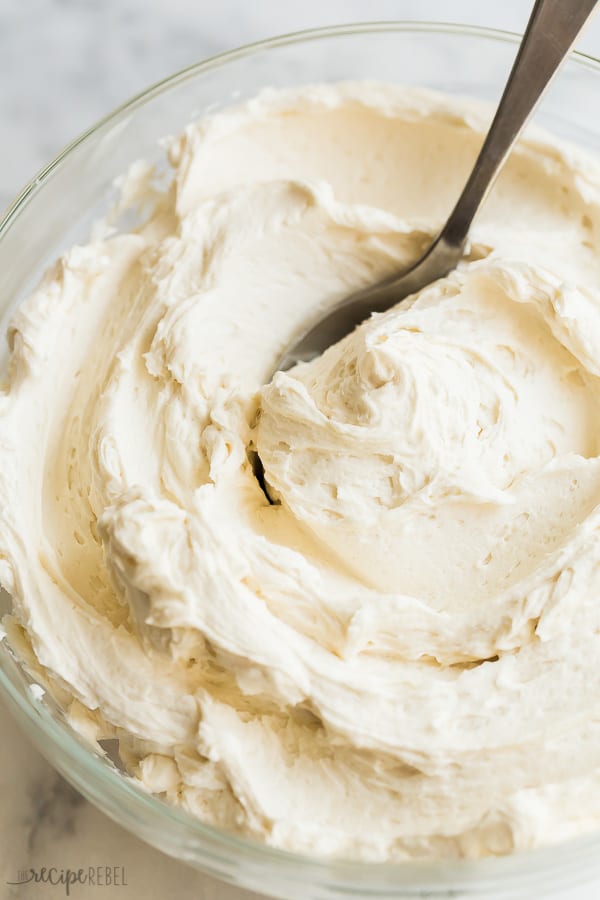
(389,648)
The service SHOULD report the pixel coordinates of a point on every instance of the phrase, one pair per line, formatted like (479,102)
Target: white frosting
(399,657)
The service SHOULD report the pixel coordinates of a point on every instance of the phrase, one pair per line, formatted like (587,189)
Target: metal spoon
(551,31)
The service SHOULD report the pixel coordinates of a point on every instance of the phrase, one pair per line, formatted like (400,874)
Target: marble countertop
(64,63)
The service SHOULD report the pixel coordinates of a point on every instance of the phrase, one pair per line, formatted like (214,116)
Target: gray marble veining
(63,64)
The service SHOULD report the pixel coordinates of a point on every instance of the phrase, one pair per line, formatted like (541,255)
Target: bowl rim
(293,37)
(456,873)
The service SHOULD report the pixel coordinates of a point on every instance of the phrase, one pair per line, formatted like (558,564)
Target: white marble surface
(64,63)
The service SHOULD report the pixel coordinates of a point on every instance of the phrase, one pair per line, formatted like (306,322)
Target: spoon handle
(551,31)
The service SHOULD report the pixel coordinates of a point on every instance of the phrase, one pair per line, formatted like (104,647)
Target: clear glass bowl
(57,208)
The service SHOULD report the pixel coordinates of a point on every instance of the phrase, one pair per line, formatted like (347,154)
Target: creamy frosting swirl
(392,653)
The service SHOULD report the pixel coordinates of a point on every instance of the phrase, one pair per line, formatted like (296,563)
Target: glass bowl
(57,208)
